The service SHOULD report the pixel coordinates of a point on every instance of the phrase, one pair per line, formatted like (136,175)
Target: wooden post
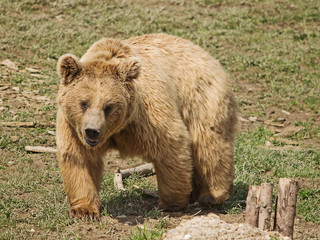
(252,208)
(265,210)
(118,184)
(286,206)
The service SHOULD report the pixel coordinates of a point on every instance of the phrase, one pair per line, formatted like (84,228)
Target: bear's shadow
(132,208)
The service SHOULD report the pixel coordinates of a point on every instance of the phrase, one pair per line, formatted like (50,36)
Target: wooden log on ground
(147,191)
(252,206)
(46,124)
(286,206)
(40,149)
(141,170)
(28,124)
(117,182)
(265,203)
(17,124)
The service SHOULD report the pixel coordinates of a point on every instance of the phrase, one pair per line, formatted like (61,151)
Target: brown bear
(157,96)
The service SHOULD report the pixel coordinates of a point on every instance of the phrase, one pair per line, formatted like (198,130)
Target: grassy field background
(271,50)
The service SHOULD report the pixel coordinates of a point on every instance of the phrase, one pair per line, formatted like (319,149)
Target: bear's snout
(92,133)
(92,128)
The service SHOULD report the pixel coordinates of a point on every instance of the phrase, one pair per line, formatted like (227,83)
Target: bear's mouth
(92,142)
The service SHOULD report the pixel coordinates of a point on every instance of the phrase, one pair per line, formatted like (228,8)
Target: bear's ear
(68,67)
(129,68)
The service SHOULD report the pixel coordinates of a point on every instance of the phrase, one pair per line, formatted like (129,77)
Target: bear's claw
(81,212)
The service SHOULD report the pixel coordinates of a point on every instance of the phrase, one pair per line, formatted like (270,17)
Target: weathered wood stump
(252,208)
(117,182)
(265,210)
(286,206)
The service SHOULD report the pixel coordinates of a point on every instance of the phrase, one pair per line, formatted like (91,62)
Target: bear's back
(185,69)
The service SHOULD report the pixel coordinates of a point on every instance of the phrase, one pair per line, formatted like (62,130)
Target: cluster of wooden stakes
(258,204)
(259,207)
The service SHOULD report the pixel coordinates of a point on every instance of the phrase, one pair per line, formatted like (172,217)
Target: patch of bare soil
(284,124)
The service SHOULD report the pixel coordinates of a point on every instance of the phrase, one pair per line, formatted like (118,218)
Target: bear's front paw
(85,212)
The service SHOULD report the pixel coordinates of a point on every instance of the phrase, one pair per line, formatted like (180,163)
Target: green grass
(255,166)
(267,45)
(127,203)
(145,234)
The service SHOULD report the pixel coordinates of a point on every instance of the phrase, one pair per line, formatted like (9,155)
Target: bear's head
(96,94)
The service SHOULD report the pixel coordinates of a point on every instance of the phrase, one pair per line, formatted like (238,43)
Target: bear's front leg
(81,171)
(81,181)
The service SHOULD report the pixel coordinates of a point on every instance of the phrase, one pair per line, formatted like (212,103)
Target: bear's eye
(107,109)
(84,105)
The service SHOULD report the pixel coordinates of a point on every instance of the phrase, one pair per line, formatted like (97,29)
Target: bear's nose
(92,133)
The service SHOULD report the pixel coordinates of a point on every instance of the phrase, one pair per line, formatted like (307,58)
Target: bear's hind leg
(214,171)
(174,176)
(214,167)
(213,130)
(173,191)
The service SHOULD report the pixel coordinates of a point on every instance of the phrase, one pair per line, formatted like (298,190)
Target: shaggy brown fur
(157,96)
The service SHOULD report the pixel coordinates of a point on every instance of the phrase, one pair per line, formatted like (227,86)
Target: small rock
(281,119)
(14,138)
(253,119)
(9,65)
(268,143)
(187,236)
(250,90)
(241,119)
(42,98)
(59,18)
(17,89)
(53,133)
(38,75)
(285,112)
(32,70)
